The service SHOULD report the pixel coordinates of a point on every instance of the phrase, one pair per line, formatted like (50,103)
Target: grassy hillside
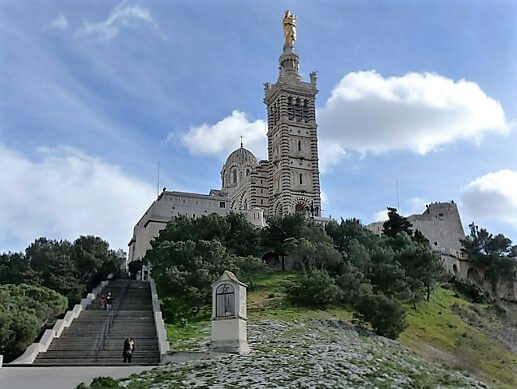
(448,330)
(440,330)
(449,343)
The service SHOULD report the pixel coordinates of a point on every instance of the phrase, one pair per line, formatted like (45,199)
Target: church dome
(240,157)
(237,168)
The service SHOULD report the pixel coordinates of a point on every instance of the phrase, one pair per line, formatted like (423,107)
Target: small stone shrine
(229,318)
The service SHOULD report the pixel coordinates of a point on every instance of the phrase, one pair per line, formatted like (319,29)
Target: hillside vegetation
(322,303)
(301,347)
(38,285)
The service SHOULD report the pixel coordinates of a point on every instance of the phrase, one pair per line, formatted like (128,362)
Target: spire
(289,69)
(241,142)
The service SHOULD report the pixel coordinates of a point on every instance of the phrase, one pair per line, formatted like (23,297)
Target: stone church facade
(287,182)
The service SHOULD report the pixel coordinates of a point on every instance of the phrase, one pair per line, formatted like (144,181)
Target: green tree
(282,232)
(15,269)
(352,283)
(233,230)
(386,316)
(494,254)
(25,309)
(53,261)
(347,231)
(301,251)
(327,257)
(423,266)
(316,289)
(134,267)
(390,279)
(184,272)
(277,232)
(396,224)
(94,260)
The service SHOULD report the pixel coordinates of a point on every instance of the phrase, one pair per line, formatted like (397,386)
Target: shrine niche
(229,316)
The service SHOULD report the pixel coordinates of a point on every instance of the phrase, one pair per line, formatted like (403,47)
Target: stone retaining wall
(161,332)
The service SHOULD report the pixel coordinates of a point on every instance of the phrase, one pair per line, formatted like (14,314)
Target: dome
(237,168)
(241,157)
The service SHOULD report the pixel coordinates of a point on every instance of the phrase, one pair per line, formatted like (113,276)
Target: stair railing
(100,341)
(113,314)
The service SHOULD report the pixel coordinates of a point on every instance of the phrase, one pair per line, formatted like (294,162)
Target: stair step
(133,316)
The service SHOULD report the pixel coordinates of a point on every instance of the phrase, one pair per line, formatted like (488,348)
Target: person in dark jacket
(109,301)
(129,349)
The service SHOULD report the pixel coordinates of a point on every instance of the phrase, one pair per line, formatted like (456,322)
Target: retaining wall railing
(161,332)
(48,336)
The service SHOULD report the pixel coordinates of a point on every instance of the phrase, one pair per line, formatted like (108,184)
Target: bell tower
(292,134)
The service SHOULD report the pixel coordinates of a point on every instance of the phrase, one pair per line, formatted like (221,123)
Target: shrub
(471,291)
(386,316)
(24,311)
(317,289)
(100,383)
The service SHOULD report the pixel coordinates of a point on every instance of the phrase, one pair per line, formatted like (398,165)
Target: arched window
(290,108)
(224,301)
(247,172)
(299,145)
(234,176)
(301,178)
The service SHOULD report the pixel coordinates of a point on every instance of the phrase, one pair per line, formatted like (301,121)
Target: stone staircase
(96,337)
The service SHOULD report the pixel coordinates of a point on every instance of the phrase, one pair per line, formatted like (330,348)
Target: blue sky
(415,94)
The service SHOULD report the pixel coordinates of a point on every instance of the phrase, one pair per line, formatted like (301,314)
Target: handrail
(100,341)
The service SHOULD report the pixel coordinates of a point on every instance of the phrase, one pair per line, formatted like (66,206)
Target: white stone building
(287,182)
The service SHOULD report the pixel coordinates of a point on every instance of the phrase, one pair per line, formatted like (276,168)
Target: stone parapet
(161,331)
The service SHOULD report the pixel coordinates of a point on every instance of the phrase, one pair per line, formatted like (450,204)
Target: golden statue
(289,24)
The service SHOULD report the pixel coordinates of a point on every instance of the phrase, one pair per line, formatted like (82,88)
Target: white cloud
(324,200)
(121,16)
(221,138)
(329,154)
(59,23)
(65,193)
(380,216)
(368,113)
(492,197)
(417,205)
(416,112)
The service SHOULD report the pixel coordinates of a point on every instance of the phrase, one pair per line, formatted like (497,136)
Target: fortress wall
(441,225)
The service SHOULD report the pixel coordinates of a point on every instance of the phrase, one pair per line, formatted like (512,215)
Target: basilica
(287,182)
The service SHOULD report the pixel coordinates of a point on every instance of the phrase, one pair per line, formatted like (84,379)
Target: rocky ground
(308,354)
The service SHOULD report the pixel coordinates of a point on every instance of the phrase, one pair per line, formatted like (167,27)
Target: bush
(100,383)
(471,291)
(386,316)
(24,311)
(317,289)
(352,284)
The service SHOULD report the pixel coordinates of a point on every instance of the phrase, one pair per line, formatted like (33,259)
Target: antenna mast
(158,181)
(397,190)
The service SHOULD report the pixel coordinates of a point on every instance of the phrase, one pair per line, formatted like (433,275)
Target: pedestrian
(102,302)
(128,350)
(109,301)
